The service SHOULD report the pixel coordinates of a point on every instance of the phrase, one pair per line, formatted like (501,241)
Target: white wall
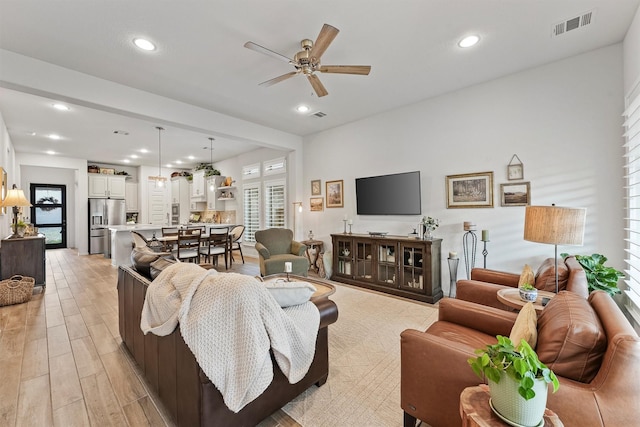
(44,175)
(631,49)
(8,163)
(562,119)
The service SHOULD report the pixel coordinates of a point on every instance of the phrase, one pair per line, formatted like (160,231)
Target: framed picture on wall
(470,190)
(516,194)
(316,204)
(3,176)
(316,187)
(335,194)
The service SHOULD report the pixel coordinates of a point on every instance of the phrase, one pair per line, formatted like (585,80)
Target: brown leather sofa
(485,283)
(588,343)
(173,373)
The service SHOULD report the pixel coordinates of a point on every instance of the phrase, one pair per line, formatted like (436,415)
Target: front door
(49,213)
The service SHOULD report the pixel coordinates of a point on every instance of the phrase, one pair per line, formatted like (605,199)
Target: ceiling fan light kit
(307,61)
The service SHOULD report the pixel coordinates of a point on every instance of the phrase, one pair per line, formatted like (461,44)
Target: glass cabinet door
(411,267)
(386,274)
(345,257)
(364,260)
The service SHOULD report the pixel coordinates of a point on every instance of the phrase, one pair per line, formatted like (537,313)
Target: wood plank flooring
(62,361)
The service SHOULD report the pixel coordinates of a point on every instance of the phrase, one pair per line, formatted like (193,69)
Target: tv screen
(397,194)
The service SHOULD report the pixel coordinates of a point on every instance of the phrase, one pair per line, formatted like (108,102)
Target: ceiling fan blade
(317,85)
(278,79)
(326,36)
(346,69)
(264,50)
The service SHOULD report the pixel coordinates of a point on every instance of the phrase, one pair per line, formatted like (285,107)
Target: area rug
(363,388)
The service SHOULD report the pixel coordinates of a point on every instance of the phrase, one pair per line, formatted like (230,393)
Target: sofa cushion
(157,266)
(525,326)
(526,277)
(289,293)
(571,339)
(546,276)
(141,259)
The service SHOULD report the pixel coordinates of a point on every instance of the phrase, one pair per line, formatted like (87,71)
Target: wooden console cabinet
(24,256)
(393,264)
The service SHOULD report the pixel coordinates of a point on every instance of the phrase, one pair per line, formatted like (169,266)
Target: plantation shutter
(251,203)
(274,204)
(632,166)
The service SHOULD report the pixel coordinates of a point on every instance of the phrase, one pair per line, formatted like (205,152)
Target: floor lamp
(299,205)
(554,225)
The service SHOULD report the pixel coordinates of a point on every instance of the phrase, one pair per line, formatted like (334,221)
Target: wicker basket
(16,290)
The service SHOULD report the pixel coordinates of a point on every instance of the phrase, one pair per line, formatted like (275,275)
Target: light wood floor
(62,361)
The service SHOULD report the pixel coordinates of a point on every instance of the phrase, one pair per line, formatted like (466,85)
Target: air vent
(572,23)
(319,114)
(121,132)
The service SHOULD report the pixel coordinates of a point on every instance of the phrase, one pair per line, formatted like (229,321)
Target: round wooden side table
(476,412)
(511,298)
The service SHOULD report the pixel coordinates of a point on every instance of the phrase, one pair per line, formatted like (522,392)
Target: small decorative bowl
(528,296)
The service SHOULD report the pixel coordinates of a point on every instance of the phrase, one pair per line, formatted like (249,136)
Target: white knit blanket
(230,321)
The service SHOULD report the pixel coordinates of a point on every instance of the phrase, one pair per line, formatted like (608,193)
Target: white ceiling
(200,60)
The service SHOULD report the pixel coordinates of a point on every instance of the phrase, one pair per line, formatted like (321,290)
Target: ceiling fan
(307,61)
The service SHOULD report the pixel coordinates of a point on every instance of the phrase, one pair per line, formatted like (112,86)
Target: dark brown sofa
(485,284)
(588,343)
(173,373)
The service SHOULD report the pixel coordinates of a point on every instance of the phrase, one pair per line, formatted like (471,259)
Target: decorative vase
(528,295)
(428,234)
(507,402)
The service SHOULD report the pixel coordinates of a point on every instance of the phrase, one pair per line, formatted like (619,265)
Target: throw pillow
(571,339)
(290,293)
(156,267)
(526,276)
(525,326)
(141,259)
(546,276)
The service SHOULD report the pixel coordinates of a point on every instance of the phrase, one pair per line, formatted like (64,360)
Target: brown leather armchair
(588,343)
(485,283)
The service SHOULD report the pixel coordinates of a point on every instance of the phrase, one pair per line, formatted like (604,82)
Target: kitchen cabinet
(180,200)
(131,196)
(213,182)
(198,191)
(107,186)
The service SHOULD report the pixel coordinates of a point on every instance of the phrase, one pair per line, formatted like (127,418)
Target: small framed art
(335,194)
(316,204)
(316,187)
(470,190)
(516,194)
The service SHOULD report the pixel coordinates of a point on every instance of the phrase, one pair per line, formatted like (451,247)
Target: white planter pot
(507,401)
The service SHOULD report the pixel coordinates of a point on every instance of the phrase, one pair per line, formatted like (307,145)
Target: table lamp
(15,199)
(554,225)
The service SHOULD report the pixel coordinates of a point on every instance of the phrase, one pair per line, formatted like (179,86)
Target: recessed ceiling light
(191,158)
(32,133)
(61,107)
(302,108)
(126,160)
(144,150)
(134,156)
(51,152)
(179,162)
(169,165)
(144,44)
(469,41)
(54,136)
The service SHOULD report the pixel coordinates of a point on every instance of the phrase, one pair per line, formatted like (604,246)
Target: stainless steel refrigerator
(104,212)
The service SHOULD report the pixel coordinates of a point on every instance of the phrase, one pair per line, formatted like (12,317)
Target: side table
(511,298)
(476,412)
(317,245)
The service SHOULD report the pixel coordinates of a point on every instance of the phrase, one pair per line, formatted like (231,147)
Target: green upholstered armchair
(276,246)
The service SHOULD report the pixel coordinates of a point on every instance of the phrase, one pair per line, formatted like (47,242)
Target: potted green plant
(517,380)
(22,227)
(599,276)
(528,292)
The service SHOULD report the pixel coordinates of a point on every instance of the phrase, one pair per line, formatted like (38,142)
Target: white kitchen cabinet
(180,199)
(107,186)
(131,196)
(198,191)
(213,182)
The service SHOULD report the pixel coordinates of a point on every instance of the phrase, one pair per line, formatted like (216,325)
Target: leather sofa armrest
(495,276)
(262,250)
(328,311)
(480,293)
(298,248)
(490,320)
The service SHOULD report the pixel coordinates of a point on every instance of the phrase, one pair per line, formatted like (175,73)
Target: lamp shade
(15,198)
(554,225)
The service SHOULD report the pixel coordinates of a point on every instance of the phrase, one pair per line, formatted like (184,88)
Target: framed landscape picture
(470,190)
(335,194)
(517,194)
(316,204)
(316,187)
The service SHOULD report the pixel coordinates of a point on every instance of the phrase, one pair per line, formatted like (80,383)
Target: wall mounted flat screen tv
(397,194)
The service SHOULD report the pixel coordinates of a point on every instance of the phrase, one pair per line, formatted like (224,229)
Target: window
(251,203)
(632,166)
(274,204)
(272,167)
(251,171)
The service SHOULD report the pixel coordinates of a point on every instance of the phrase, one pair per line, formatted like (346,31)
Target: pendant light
(159,179)
(212,185)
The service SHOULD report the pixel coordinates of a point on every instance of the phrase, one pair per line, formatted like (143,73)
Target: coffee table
(323,290)
(511,297)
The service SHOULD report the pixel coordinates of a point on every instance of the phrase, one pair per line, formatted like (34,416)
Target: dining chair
(169,232)
(216,244)
(188,245)
(234,242)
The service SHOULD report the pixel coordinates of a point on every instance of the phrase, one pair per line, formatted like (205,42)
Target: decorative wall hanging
(515,170)
(470,190)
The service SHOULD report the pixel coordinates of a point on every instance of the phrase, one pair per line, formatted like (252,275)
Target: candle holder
(469,246)
(350,228)
(288,280)
(453,275)
(485,252)
(345,226)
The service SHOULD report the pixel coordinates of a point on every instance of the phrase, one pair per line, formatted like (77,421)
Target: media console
(397,265)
